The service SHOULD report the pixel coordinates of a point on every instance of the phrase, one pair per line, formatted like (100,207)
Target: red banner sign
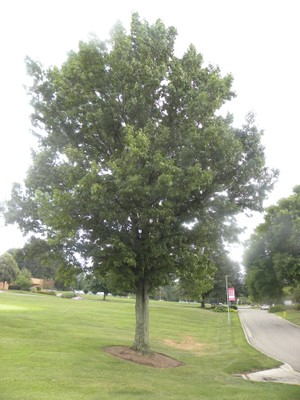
(231,294)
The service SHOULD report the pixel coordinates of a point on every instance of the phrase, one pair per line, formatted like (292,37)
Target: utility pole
(227,297)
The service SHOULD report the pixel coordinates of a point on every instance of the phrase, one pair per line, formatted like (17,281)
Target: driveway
(272,335)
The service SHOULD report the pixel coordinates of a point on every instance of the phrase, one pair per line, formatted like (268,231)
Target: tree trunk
(141,342)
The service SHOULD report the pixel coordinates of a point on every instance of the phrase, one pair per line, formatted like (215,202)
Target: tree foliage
(96,285)
(23,280)
(9,269)
(132,154)
(40,258)
(195,282)
(273,255)
(225,266)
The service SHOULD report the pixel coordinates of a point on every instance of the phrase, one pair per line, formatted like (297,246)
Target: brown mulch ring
(155,360)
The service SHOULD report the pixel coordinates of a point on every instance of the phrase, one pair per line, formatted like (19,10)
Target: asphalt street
(272,335)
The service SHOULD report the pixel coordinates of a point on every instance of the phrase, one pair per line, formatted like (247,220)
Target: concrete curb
(283,374)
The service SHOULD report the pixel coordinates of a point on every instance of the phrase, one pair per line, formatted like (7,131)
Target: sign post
(227,298)
(230,297)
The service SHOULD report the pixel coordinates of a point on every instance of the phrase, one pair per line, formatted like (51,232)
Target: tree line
(36,259)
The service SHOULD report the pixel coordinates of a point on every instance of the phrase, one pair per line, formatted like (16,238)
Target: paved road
(272,335)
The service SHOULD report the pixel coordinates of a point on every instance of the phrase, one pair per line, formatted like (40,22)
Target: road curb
(247,333)
(286,320)
(284,374)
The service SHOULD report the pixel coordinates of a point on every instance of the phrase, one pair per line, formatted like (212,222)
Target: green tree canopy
(195,282)
(9,269)
(42,259)
(132,154)
(272,258)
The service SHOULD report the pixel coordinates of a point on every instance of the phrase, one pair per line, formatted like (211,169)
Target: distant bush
(14,286)
(49,292)
(224,308)
(277,308)
(220,308)
(68,295)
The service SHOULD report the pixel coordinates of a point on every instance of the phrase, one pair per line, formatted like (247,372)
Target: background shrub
(277,308)
(50,292)
(14,286)
(220,308)
(68,295)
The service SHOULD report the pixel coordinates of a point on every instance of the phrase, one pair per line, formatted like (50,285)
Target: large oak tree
(135,170)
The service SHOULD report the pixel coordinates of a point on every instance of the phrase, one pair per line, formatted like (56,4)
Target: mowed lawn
(52,348)
(291,315)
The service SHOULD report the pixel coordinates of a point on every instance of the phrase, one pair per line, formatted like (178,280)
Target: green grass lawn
(52,348)
(291,315)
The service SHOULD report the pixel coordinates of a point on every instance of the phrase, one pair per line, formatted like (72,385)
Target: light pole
(227,297)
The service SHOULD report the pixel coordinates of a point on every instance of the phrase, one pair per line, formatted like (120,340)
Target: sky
(257,41)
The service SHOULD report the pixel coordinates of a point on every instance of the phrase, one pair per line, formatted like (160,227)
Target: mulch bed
(155,360)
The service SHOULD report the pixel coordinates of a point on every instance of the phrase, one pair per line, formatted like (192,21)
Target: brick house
(4,285)
(38,283)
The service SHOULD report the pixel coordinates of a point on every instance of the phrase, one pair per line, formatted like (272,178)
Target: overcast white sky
(256,40)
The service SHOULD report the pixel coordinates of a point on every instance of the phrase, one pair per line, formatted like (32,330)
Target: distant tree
(37,258)
(169,292)
(105,284)
(272,258)
(132,151)
(195,282)
(67,277)
(9,269)
(208,282)
(97,285)
(225,266)
(80,281)
(46,260)
(296,294)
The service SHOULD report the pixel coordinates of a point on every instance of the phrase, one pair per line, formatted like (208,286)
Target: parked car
(265,307)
